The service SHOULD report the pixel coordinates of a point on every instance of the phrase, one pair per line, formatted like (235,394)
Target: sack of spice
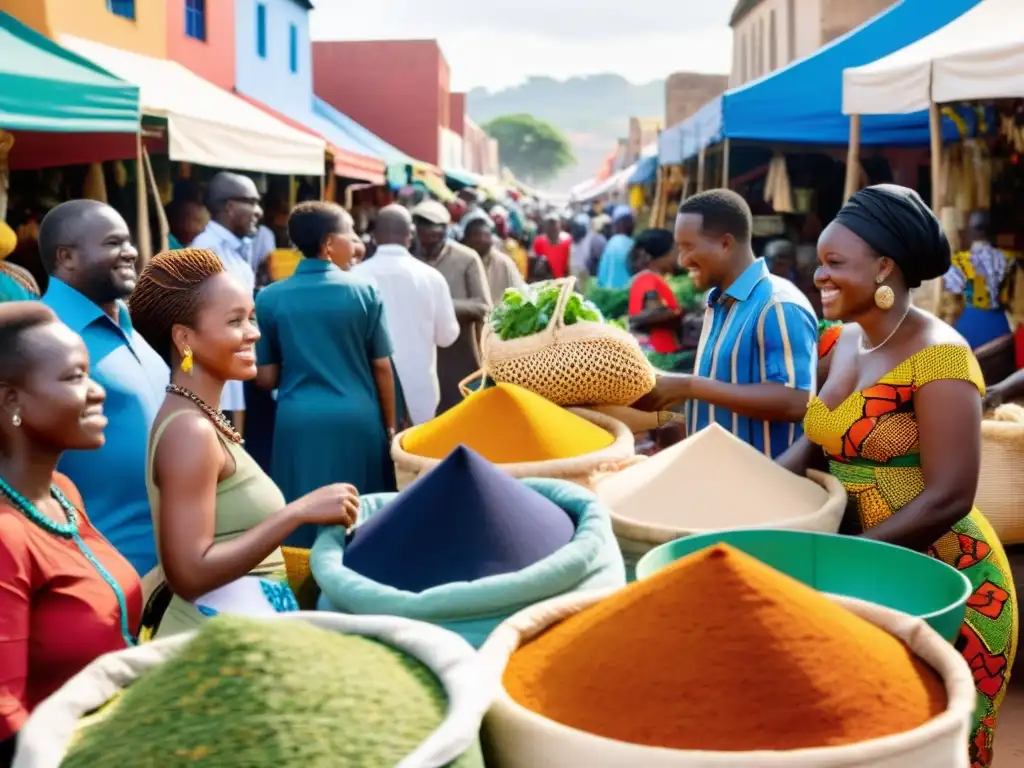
(519,431)
(565,354)
(1001,483)
(299,689)
(720,661)
(474,607)
(679,492)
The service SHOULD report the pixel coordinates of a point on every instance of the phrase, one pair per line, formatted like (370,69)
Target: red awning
(349,164)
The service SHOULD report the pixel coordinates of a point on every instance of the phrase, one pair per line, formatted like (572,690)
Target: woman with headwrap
(899,421)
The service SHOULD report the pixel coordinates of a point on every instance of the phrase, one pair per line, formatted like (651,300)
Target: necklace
(216,417)
(886,341)
(70,530)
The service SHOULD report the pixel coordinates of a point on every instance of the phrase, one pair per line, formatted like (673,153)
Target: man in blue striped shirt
(757,358)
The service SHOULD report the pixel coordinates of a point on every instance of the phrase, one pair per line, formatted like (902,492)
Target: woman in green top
(226,520)
(325,348)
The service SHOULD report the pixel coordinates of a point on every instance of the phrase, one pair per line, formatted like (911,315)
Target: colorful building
(273,61)
(399,89)
(132,25)
(201,36)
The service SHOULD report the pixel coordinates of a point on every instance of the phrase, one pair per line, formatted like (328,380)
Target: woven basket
(580,469)
(1000,494)
(579,364)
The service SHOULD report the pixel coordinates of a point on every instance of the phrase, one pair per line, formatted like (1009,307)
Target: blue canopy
(646,171)
(802,103)
(359,139)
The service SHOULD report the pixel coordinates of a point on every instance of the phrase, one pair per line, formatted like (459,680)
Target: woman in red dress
(66,595)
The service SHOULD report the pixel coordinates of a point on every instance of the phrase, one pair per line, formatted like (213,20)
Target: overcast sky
(498,44)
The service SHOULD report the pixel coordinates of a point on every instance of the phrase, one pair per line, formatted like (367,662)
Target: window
(293,48)
(773,44)
(195,19)
(261,30)
(125,8)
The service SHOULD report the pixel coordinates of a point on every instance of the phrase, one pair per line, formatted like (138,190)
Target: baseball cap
(432,211)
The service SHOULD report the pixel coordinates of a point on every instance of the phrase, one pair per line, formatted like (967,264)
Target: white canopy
(206,124)
(591,190)
(979,55)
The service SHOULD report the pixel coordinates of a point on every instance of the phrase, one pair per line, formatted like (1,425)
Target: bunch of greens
(526,311)
(612,302)
(682,286)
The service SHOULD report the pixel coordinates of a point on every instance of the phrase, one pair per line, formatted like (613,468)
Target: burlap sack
(45,738)
(580,469)
(1001,483)
(580,364)
(515,737)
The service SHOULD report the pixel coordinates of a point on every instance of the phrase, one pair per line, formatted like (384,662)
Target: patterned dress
(871,440)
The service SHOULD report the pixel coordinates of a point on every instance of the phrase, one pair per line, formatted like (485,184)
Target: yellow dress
(871,440)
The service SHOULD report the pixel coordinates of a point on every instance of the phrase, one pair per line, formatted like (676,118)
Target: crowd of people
(122,403)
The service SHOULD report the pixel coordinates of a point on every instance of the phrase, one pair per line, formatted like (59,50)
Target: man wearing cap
(467,282)
(502,273)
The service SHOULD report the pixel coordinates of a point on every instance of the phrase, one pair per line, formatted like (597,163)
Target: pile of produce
(253,694)
(720,652)
(528,310)
(507,424)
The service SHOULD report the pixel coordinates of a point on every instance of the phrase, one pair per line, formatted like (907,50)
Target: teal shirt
(12,290)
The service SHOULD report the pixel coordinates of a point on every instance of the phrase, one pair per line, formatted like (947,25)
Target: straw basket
(580,364)
(1000,494)
(579,469)
(45,738)
(515,737)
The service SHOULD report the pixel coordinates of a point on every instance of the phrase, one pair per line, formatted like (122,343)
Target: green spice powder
(250,694)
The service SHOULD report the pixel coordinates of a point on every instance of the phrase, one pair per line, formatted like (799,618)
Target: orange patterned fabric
(871,440)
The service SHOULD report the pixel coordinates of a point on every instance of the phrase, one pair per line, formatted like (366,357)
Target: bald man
(235,211)
(418,309)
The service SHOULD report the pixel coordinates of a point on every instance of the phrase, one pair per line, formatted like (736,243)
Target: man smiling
(86,249)
(756,363)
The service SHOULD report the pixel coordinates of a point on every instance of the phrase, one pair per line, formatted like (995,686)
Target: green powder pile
(250,694)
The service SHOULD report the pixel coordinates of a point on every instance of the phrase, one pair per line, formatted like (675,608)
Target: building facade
(769,34)
(643,131)
(273,57)
(399,89)
(201,36)
(686,92)
(139,26)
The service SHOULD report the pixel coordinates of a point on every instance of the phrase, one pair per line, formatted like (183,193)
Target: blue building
(273,54)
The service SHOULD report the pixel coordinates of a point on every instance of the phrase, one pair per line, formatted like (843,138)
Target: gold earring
(16,419)
(187,361)
(884,297)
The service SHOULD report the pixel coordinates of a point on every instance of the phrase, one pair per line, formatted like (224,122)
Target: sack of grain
(1001,483)
(713,481)
(473,609)
(55,724)
(581,364)
(515,737)
(579,469)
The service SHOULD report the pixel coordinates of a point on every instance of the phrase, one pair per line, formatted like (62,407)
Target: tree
(534,150)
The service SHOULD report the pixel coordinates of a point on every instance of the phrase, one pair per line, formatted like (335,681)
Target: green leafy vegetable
(526,311)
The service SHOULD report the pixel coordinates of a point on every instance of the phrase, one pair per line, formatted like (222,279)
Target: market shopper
(66,595)
(898,422)
(219,519)
(186,219)
(234,204)
(586,250)
(613,267)
(655,316)
(87,250)
(16,283)
(757,359)
(501,271)
(977,274)
(469,291)
(553,245)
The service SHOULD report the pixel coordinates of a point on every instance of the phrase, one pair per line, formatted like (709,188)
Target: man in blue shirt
(757,359)
(86,248)
(613,268)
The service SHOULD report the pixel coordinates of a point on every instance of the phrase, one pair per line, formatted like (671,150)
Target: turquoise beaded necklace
(69,530)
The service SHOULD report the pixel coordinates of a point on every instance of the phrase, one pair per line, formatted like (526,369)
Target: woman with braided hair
(226,520)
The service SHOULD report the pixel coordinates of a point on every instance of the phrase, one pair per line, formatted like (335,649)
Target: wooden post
(144,240)
(853,159)
(161,215)
(701,159)
(725,164)
(929,295)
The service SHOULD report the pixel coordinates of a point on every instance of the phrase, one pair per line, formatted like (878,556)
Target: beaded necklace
(70,530)
(216,416)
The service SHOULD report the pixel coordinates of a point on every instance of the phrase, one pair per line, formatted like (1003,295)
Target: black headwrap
(656,242)
(897,223)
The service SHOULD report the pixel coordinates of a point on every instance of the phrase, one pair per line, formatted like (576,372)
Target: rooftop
(743,7)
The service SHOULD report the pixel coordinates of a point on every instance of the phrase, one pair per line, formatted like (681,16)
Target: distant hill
(593,111)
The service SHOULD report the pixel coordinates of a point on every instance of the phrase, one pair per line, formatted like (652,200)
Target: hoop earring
(884,297)
(16,419)
(187,361)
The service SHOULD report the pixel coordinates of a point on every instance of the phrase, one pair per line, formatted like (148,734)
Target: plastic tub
(867,570)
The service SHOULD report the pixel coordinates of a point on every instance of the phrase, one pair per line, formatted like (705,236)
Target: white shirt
(234,252)
(420,315)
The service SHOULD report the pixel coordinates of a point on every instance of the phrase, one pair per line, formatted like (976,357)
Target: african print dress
(871,440)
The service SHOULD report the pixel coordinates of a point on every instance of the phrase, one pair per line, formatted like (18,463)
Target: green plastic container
(848,566)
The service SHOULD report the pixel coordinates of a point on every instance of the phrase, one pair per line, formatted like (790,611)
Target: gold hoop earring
(16,419)
(187,361)
(884,297)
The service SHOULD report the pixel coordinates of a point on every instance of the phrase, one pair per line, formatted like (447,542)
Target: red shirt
(57,614)
(557,254)
(649,290)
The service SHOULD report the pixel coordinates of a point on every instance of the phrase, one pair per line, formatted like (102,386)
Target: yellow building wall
(90,19)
